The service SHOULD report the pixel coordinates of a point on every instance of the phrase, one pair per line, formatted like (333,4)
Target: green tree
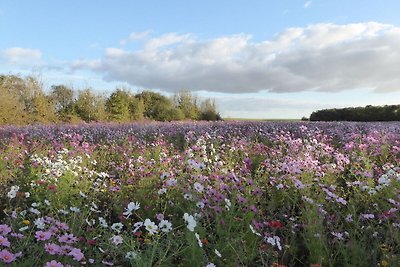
(187,103)
(89,106)
(117,105)
(63,99)
(208,110)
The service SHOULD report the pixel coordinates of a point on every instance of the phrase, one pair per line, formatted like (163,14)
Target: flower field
(200,194)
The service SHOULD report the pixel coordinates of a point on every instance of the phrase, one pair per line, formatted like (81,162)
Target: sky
(257,58)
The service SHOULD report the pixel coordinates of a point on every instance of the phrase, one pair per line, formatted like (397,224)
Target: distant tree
(188,104)
(208,111)
(368,113)
(63,99)
(89,106)
(156,106)
(117,105)
(136,108)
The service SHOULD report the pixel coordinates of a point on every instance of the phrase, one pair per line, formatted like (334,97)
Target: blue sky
(257,59)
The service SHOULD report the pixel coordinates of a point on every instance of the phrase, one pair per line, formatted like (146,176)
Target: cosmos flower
(191,222)
(150,226)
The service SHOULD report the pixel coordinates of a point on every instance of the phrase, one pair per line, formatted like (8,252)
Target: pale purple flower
(42,235)
(6,256)
(117,239)
(67,239)
(53,263)
(4,241)
(77,254)
(52,248)
(4,229)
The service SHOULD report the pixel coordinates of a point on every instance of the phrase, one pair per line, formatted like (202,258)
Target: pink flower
(77,254)
(54,263)
(42,236)
(4,241)
(62,226)
(67,238)
(7,256)
(4,229)
(52,248)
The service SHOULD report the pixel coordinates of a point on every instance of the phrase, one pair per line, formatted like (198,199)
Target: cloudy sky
(257,59)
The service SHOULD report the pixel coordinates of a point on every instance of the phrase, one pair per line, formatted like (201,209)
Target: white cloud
(307,4)
(19,55)
(135,36)
(319,57)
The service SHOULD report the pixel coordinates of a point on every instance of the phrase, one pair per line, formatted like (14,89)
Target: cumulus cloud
(320,57)
(19,55)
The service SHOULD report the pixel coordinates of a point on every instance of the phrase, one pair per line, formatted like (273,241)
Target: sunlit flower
(150,226)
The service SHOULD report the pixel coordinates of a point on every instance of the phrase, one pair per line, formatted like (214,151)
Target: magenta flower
(54,263)
(67,238)
(42,236)
(4,241)
(4,229)
(7,257)
(52,248)
(77,254)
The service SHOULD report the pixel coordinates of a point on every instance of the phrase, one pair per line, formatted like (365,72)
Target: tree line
(24,101)
(368,113)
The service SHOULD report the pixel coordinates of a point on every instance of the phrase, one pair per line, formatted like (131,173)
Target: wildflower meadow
(200,194)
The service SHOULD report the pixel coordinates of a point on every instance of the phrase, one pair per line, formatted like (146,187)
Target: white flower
(40,223)
(150,226)
(117,239)
(200,205)
(117,227)
(23,228)
(187,196)
(191,222)
(253,230)
(13,192)
(162,191)
(103,222)
(131,207)
(27,194)
(130,255)
(228,204)
(75,209)
(137,226)
(275,241)
(34,211)
(198,240)
(211,265)
(198,187)
(217,253)
(165,226)
(82,194)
